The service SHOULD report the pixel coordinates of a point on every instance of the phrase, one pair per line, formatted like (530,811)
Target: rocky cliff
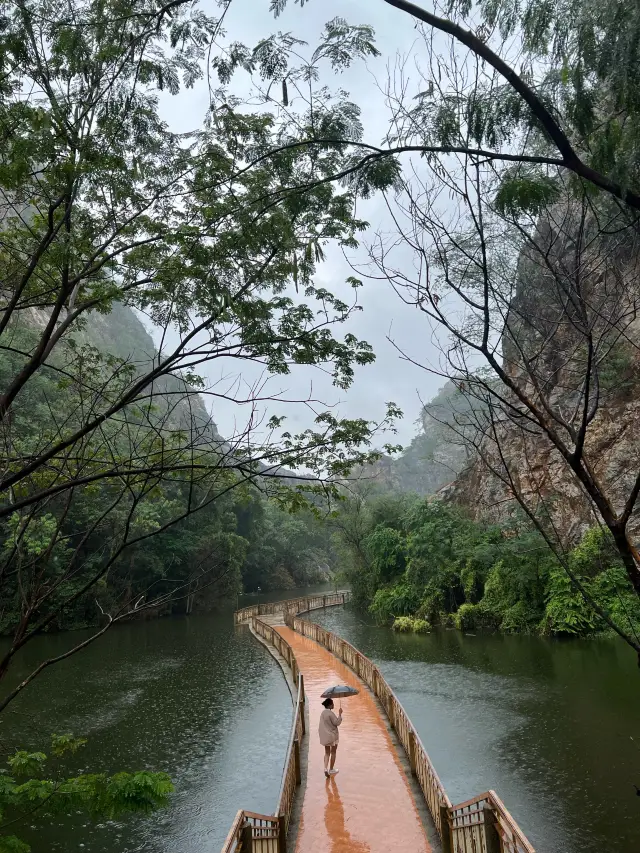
(120,333)
(570,343)
(436,455)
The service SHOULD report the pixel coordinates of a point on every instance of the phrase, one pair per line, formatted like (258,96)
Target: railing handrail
(241,821)
(267,607)
(298,708)
(500,807)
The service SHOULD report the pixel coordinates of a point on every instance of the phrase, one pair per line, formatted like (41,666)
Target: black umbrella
(340,691)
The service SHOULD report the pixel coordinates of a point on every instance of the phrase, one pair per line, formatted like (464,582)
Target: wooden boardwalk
(368,807)
(387,783)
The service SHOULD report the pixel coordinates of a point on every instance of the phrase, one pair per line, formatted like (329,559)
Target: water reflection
(337,832)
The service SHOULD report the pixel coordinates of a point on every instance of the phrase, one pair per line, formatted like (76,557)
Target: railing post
(324,600)
(491,835)
(296,761)
(357,664)
(282,834)
(413,747)
(342,648)
(390,711)
(247,838)
(446,836)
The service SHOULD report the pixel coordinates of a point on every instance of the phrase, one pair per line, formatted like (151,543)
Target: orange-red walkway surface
(368,807)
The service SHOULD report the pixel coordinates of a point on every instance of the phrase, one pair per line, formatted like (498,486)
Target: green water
(194,697)
(553,727)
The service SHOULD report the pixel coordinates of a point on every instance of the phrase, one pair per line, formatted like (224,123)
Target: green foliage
(33,782)
(285,549)
(118,494)
(410,625)
(476,576)
(403,624)
(386,549)
(594,561)
(466,617)
(522,193)
(567,612)
(401,599)
(586,50)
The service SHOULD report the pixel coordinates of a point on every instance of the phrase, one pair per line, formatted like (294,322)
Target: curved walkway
(368,807)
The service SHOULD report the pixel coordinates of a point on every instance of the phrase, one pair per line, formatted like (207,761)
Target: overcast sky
(390,378)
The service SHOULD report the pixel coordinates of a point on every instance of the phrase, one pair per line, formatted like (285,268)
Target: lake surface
(194,697)
(553,727)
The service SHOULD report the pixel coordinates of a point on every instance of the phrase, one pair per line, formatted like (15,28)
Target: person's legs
(327,754)
(334,749)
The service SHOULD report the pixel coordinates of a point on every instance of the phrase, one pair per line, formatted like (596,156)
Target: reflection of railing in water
(480,825)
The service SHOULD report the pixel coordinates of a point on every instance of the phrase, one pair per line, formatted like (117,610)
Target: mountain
(573,325)
(435,456)
(122,334)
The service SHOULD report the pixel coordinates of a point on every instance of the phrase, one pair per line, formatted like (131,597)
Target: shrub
(466,617)
(519,618)
(566,612)
(398,600)
(446,620)
(410,625)
(469,617)
(403,624)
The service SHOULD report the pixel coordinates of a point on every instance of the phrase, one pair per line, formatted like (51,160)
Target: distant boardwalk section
(369,807)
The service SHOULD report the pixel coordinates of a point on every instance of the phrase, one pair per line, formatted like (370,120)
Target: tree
(520,136)
(33,783)
(565,73)
(537,309)
(214,234)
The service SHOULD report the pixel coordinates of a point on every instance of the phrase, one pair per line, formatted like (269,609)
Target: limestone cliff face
(540,474)
(547,343)
(433,458)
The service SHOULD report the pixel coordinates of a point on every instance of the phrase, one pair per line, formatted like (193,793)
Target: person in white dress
(328,731)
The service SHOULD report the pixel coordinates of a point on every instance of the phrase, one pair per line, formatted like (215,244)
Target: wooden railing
(291,776)
(484,824)
(480,825)
(294,605)
(251,832)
